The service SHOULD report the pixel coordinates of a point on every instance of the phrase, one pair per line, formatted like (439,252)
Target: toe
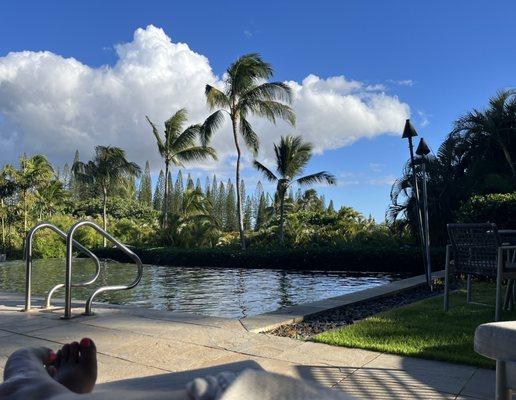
(59,357)
(88,352)
(74,352)
(65,353)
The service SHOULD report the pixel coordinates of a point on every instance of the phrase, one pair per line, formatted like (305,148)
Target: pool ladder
(68,285)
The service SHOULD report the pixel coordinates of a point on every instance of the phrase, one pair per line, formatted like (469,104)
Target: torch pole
(419,217)
(427,227)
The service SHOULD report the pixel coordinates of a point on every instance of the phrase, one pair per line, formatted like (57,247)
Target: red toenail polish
(52,357)
(86,342)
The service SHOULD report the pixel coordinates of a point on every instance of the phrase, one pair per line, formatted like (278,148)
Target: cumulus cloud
(53,105)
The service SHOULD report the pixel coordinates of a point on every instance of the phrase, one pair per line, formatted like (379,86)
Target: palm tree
(292,155)
(178,146)
(34,173)
(7,189)
(496,125)
(246,94)
(106,170)
(50,197)
(194,223)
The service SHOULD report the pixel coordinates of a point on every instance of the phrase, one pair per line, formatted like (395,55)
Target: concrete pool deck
(137,342)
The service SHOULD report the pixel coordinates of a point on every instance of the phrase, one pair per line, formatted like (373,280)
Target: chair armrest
(508,247)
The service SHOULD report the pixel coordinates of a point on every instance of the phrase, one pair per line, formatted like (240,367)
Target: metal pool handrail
(28,264)
(68,276)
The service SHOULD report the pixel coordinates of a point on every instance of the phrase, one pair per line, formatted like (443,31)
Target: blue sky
(441,58)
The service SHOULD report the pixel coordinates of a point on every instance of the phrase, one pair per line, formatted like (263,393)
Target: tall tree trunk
(508,158)
(239,194)
(165,197)
(3,223)
(104,214)
(282,218)
(25,211)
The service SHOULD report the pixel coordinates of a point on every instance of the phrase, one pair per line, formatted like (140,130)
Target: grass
(424,330)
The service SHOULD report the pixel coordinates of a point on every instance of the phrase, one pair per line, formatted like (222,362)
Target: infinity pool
(224,292)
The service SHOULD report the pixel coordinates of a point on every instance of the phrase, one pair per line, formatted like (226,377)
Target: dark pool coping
(289,315)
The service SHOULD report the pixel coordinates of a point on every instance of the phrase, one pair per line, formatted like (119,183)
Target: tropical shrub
(498,208)
(117,208)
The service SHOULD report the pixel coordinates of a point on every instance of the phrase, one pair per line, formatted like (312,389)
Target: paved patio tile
(441,376)
(481,385)
(113,369)
(370,388)
(317,354)
(141,342)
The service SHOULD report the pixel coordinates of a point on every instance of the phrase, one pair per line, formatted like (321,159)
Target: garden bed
(348,315)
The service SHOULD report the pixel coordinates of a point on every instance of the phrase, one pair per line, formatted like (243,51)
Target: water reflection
(226,292)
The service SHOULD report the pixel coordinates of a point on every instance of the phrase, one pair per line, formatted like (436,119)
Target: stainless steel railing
(28,264)
(69,261)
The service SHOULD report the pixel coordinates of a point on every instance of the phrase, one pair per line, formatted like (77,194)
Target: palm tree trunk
(239,194)
(104,214)
(25,211)
(282,219)
(165,197)
(508,158)
(3,223)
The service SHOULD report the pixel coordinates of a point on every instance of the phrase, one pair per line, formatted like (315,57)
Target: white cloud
(383,180)
(402,82)
(424,118)
(53,105)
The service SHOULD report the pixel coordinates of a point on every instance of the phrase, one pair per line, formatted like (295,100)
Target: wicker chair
(476,250)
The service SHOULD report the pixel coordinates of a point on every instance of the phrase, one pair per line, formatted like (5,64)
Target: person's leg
(26,376)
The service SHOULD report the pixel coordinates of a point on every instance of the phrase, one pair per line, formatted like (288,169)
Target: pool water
(224,292)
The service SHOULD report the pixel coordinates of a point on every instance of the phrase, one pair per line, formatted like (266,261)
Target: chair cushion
(497,340)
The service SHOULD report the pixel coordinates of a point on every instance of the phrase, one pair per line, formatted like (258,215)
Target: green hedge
(398,260)
(497,208)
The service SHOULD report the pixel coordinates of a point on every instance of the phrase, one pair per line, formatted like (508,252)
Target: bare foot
(75,366)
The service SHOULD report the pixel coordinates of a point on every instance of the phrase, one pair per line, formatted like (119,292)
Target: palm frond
(318,177)
(277,91)
(187,138)
(216,98)
(174,125)
(267,173)
(271,110)
(210,125)
(249,135)
(197,153)
(246,72)
(159,141)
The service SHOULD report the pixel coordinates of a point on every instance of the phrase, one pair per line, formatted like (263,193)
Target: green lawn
(424,330)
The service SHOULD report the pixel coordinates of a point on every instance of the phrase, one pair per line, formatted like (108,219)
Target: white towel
(259,385)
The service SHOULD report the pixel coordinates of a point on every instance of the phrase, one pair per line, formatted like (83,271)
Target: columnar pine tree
(157,201)
(145,189)
(189,183)
(65,179)
(171,193)
(198,185)
(231,216)
(331,207)
(179,191)
(207,188)
(213,190)
(248,212)
(220,205)
(260,212)
(79,189)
